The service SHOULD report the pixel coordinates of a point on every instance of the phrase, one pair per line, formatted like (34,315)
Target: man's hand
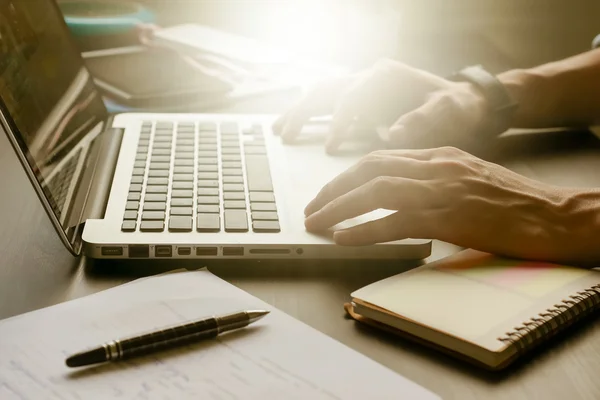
(420,109)
(450,195)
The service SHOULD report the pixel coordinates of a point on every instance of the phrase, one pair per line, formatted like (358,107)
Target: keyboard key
(231,157)
(185,142)
(263,207)
(132,205)
(161,159)
(181,211)
(180,223)
(182,193)
(152,226)
(229,127)
(207,147)
(230,144)
(208,168)
(231,150)
(152,197)
(182,202)
(208,184)
(183,177)
(208,223)
(153,215)
(137,179)
(128,226)
(259,174)
(183,185)
(232,171)
(130,215)
(155,206)
(186,126)
(157,189)
(234,204)
(134,196)
(208,209)
(264,216)
(233,179)
(184,156)
(142,149)
(254,143)
(231,164)
(161,152)
(208,176)
(183,170)
(138,171)
(184,149)
(204,153)
(266,226)
(234,196)
(233,187)
(255,150)
(236,221)
(207,126)
(141,157)
(207,160)
(208,191)
(208,200)
(158,181)
(156,173)
(163,139)
(162,145)
(159,165)
(179,162)
(262,197)
(139,164)
(164,125)
(207,140)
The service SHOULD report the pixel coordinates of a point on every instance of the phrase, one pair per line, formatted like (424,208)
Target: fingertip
(342,237)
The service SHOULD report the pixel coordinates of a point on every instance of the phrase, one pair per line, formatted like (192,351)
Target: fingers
(383,163)
(400,225)
(382,192)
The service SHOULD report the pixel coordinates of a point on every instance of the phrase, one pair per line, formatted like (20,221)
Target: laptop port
(112,251)
(163,251)
(139,251)
(207,251)
(270,251)
(233,251)
(184,251)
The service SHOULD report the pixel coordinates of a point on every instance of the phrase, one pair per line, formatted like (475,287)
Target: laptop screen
(48,101)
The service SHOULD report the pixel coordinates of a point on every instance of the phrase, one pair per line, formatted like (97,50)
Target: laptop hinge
(102,178)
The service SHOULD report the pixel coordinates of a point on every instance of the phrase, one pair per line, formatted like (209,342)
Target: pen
(165,338)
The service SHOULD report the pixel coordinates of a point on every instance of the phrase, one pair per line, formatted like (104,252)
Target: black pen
(165,338)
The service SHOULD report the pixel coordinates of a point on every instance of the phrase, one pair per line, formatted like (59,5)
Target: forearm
(562,93)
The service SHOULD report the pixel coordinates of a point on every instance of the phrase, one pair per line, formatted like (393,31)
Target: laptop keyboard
(190,176)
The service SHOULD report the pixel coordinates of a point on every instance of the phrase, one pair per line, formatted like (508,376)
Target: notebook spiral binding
(553,320)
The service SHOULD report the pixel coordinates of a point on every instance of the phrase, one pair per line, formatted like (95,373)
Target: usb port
(207,251)
(184,251)
(163,251)
(233,251)
(112,251)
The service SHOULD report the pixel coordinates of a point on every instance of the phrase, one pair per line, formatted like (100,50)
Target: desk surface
(36,271)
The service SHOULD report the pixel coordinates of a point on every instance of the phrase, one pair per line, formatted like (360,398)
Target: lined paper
(275,358)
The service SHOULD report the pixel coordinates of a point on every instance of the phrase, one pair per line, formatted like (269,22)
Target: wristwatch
(501,105)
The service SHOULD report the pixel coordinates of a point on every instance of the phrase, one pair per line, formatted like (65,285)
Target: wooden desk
(36,271)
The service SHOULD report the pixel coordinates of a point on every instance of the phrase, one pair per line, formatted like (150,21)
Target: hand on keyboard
(420,109)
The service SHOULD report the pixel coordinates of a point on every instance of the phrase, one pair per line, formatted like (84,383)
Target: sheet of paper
(276,358)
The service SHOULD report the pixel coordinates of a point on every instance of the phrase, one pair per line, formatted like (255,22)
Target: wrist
(526,87)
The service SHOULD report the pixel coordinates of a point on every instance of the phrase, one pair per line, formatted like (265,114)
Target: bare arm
(561,93)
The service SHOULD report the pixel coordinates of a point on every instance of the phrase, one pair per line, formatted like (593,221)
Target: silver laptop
(157,185)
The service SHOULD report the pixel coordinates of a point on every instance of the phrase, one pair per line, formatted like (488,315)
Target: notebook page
(275,358)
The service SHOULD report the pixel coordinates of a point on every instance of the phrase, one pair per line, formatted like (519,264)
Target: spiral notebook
(478,307)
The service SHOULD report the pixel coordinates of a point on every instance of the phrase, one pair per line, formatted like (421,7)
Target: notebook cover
(490,302)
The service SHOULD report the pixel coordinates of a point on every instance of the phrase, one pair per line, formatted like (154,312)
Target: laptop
(145,185)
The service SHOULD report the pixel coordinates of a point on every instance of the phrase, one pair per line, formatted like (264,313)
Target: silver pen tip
(255,315)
